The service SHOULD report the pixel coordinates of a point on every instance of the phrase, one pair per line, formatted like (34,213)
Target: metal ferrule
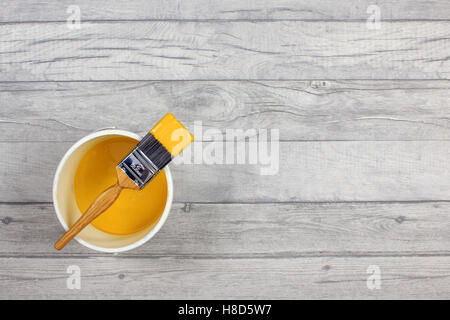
(139,168)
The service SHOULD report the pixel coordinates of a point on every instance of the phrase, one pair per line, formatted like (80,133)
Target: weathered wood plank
(44,10)
(308,171)
(166,278)
(165,50)
(303,110)
(254,231)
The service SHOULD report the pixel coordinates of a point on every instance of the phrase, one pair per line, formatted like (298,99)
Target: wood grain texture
(363,117)
(302,110)
(270,230)
(308,171)
(307,278)
(44,10)
(167,50)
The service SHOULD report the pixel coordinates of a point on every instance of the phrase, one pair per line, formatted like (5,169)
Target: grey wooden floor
(364,120)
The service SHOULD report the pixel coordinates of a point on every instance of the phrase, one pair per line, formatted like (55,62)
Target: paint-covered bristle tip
(172,134)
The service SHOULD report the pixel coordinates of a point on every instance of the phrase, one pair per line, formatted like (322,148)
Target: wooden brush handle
(103,202)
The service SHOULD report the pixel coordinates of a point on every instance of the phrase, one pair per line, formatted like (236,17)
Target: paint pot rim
(78,144)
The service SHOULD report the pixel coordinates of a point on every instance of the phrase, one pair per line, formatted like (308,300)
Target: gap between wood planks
(229,80)
(262,202)
(93,255)
(220,20)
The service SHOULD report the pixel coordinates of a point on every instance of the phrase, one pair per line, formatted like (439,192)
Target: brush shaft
(103,202)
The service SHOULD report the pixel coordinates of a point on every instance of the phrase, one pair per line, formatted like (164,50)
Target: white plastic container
(67,210)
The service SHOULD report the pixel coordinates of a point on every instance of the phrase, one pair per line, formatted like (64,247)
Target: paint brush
(164,142)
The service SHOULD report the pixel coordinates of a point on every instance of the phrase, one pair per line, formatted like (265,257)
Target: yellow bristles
(172,134)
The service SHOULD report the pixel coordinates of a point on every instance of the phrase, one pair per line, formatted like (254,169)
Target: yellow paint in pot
(133,210)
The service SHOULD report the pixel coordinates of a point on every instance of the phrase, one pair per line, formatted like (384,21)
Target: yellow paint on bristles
(172,134)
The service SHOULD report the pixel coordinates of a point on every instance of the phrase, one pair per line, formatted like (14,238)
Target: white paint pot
(67,209)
